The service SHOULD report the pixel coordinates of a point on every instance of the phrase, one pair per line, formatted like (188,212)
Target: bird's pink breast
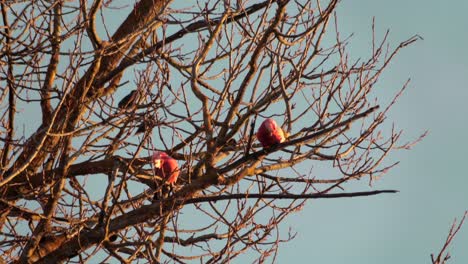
(171,170)
(166,167)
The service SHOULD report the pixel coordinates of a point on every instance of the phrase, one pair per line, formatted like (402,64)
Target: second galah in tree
(270,133)
(165,167)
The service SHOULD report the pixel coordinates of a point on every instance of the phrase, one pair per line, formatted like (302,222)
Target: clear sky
(408,226)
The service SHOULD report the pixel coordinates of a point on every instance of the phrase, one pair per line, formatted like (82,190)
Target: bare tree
(200,79)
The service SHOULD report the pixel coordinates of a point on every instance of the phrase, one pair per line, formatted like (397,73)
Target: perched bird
(141,128)
(129,100)
(270,133)
(166,167)
(145,126)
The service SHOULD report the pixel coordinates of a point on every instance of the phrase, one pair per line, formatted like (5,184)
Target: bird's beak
(157,163)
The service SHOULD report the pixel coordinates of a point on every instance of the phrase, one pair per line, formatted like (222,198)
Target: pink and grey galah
(165,167)
(270,134)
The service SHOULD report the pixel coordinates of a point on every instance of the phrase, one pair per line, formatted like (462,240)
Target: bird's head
(270,125)
(158,158)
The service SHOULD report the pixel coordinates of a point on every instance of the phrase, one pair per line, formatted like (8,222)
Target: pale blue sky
(408,226)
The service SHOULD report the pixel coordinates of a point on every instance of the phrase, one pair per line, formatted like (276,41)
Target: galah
(165,167)
(270,133)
